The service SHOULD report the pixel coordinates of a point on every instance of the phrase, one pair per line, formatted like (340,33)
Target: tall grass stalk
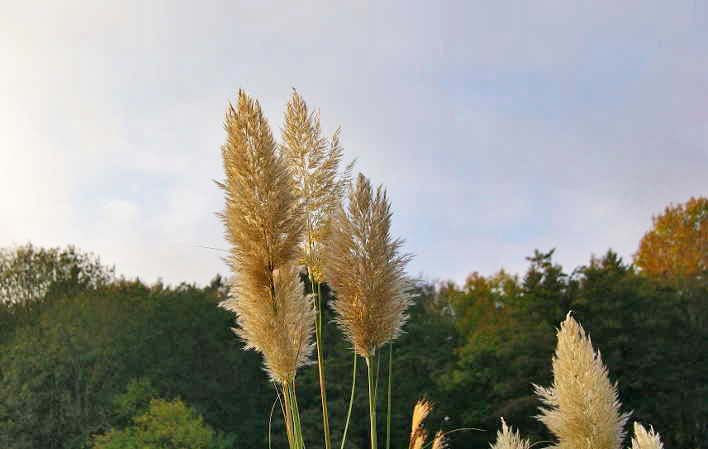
(319,343)
(372,401)
(351,401)
(318,185)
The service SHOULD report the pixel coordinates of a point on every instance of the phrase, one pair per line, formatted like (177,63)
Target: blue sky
(497,127)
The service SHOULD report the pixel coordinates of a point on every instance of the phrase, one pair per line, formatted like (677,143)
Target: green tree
(649,333)
(165,425)
(61,373)
(27,273)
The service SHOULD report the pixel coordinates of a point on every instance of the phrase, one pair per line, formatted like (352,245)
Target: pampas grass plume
(508,439)
(264,227)
(439,442)
(644,439)
(582,408)
(319,186)
(366,270)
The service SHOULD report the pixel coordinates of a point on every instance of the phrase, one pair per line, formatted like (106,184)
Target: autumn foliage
(677,244)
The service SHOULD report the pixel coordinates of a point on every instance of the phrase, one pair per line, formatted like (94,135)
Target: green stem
(351,402)
(319,342)
(296,416)
(372,402)
(295,440)
(287,412)
(388,405)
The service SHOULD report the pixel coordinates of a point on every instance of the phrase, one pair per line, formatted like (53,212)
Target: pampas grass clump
(284,210)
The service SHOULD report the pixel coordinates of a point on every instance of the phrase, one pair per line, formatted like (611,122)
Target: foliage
(165,425)
(28,273)
(677,244)
(649,331)
(84,354)
(61,375)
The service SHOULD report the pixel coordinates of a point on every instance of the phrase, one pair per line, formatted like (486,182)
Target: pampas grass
(366,270)
(319,187)
(508,439)
(364,266)
(283,209)
(582,408)
(419,435)
(264,226)
(440,441)
(644,439)
(421,410)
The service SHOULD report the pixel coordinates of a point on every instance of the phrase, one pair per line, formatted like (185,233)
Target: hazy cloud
(497,127)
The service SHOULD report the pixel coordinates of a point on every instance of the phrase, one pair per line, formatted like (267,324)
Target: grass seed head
(581,407)
(264,225)
(366,270)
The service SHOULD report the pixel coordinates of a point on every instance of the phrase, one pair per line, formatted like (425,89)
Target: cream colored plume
(582,408)
(508,439)
(644,439)
(318,184)
(366,270)
(264,226)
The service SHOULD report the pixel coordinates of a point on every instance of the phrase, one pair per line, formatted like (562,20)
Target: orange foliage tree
(677,244)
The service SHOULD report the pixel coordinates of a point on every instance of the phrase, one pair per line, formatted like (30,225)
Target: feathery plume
(264,226)
(421,410)
(419,440)
(440,442)
(318,184)
(364,267)
(645,440)
(582,408)
(508,439)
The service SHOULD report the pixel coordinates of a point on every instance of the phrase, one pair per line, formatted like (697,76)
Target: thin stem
(461,429)
(297,426)
(287,412)
(351,402)
(388,405)
(319,342)
(376,377)
(270,421)
(372,402)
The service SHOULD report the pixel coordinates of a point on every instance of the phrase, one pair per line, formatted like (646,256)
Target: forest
(90,359)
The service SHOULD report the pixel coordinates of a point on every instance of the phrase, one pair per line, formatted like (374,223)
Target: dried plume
(644,439)
(318,184)
(366,270)
(439,442)
(508,439)
(264,226)
(421,410)
(582,408)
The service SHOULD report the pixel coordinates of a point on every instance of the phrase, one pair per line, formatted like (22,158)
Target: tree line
(91,360)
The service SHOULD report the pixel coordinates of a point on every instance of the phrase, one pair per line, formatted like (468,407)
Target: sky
(497,127)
